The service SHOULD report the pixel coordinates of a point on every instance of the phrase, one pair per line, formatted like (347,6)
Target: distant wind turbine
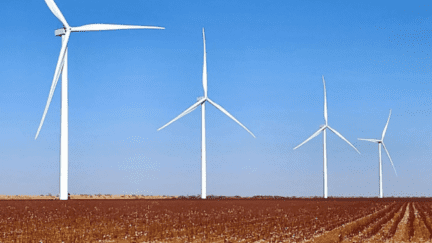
(62,67)
(323,129)
(201,101)
(379,142)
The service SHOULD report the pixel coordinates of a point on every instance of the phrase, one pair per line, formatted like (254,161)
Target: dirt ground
(26,197)
(407,220)
(217,219)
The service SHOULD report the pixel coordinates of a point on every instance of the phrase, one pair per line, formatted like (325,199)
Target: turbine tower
(201,101)
(381,142)
(323,129)
(62,67)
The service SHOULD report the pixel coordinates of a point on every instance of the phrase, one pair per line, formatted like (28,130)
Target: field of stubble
(217,219)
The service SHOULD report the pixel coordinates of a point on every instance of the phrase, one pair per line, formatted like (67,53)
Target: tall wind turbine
(323,129)
(381,142)
(62,67)
(201,101)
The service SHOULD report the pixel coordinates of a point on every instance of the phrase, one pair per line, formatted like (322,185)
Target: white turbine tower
(379,142)
(323,129)
(201,101)
(62,67)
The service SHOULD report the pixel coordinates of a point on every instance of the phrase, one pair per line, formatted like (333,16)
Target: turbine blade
(325,101)
(313,135)
(57,72)
(369,140)
(340,135)
(98,27)
(385,128)
(205,68)
(187,111)
(388,154)
(56,11)
(229,115)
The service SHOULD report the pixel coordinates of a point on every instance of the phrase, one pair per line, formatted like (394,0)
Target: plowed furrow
(381,235)
(359,230)
(396,222)
(353,228)
(374,226)
(411,219)
(428,212)
(424,218)
(401,231)
(421,232)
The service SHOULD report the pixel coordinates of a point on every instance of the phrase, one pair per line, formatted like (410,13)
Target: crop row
(354,228)
(185,220)
(387,224)
(423,216)
(361,224)
(320,221)
(377,226)
(396,222)
(411,218)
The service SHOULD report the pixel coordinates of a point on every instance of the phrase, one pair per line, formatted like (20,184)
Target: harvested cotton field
(217,219)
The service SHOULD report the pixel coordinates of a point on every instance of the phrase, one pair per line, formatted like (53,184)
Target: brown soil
(402,231)
(212,220)
(421,233)
(405,217)
(381,235)
(25,197)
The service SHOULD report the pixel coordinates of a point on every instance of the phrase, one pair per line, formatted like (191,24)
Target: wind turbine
(201,101)
(323,129)
(62,67)
(381,142)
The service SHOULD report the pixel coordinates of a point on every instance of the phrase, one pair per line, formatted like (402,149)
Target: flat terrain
(217,219)
(83,196)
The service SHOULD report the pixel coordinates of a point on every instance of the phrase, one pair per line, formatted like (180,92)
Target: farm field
(217,219)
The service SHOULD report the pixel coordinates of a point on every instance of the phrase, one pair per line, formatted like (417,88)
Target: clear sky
(265,62)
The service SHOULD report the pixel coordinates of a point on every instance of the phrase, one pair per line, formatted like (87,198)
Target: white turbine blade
(313,135)
(325,102)
(388,154)
(56,11)
(187,111)
(205,67)
(385,128)
(57,72)
(229,115)
(98,27)
(340,135)
(369,140)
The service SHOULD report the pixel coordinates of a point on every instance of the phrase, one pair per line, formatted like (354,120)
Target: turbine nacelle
(60,32)
(371,140)
(64,30)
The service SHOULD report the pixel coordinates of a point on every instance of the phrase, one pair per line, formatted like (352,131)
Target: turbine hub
(200,98)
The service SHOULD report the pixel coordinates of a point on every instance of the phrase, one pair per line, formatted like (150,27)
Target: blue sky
(265,62)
